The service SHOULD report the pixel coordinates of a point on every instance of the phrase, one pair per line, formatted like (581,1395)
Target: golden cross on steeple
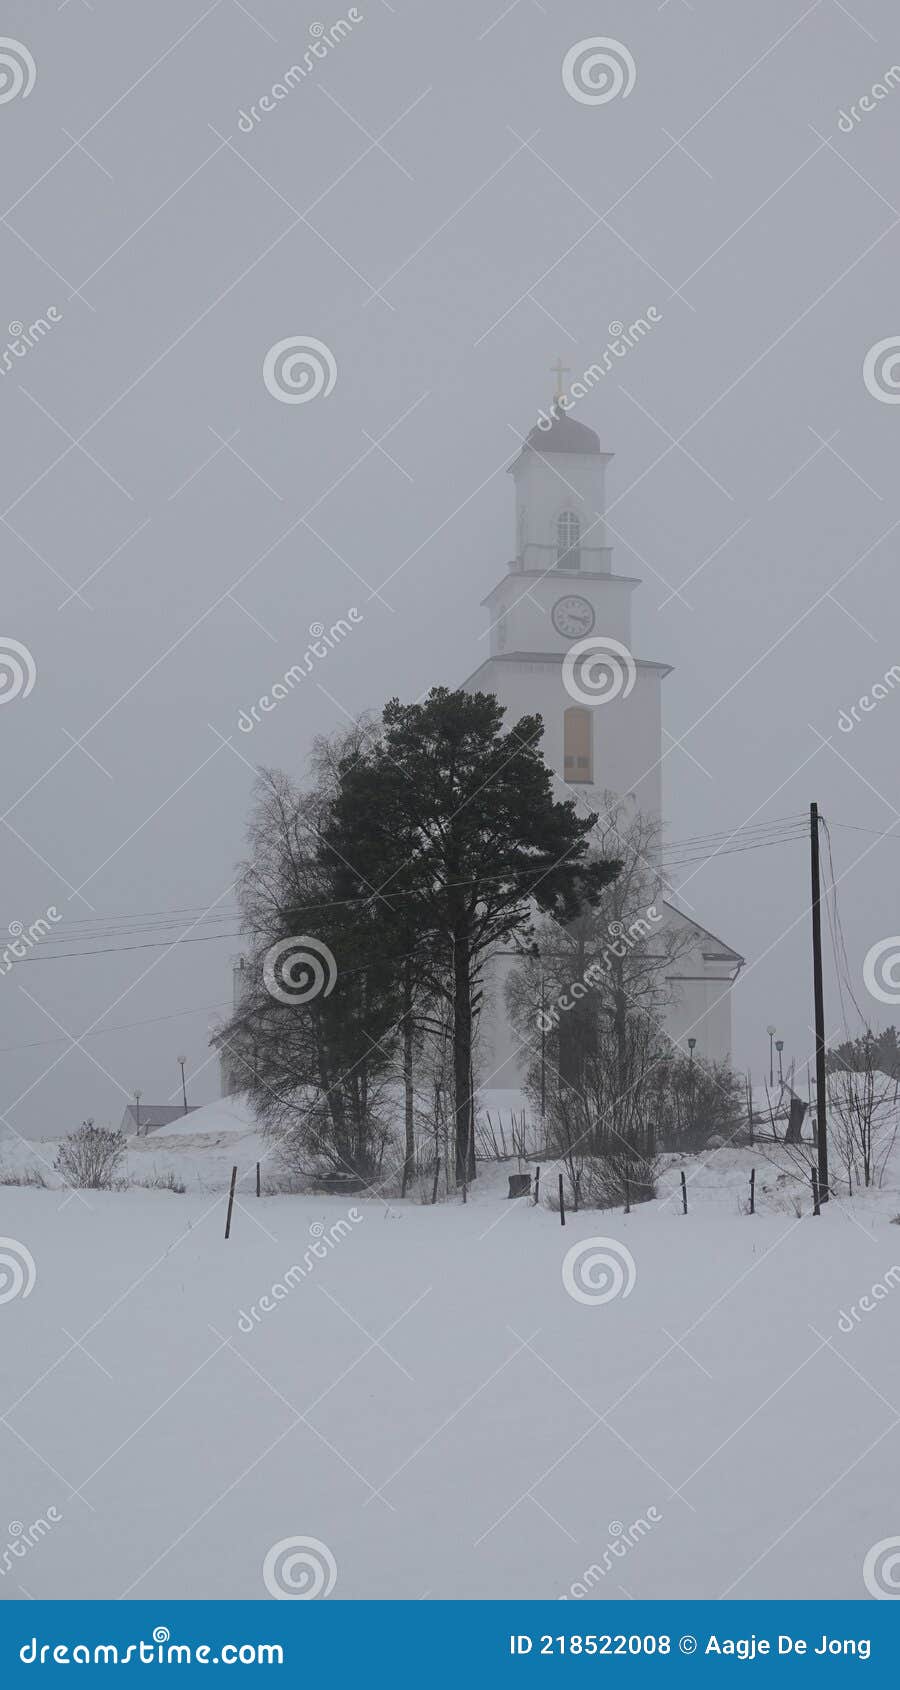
(559,370)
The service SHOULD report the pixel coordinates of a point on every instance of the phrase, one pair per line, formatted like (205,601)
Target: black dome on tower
(564,435)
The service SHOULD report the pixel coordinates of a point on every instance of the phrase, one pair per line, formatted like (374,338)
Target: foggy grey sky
(772,256)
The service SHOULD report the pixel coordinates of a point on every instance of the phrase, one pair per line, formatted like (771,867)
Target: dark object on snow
(796,1118)
(519,1185)
(230,1203)
(334,1185)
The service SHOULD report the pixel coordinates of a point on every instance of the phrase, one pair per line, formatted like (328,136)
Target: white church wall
(625,732)
(702,1011)
(541,497)
(520,610)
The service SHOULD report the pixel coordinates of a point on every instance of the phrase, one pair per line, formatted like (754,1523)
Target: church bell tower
(559,623)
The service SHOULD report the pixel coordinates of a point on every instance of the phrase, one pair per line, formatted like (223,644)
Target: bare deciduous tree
(862,1109)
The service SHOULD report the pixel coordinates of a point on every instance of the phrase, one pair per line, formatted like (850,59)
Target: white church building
(560,589)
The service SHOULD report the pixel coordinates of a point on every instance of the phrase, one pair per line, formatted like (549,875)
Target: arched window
(568,535)
(578,758)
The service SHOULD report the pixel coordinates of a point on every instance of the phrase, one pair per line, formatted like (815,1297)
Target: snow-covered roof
(148,1117)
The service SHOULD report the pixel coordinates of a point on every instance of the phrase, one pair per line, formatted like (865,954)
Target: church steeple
(560,477)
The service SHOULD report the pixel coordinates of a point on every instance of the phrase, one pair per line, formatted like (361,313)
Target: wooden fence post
(258,1186)
(683,1192)
(562,1203)
(537,1185)
(815,1190)
(230,1203)
(753,1191)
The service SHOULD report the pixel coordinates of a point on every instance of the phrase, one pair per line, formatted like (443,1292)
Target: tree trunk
(620,1033)
(796,1118)
(462,1055)
(409,1160)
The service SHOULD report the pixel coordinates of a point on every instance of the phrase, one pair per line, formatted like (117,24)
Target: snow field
(427,1399)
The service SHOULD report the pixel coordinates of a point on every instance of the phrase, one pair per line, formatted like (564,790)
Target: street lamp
(691,1044)
(181,1060)
(771,1032)
(779,1046)
(137,1110)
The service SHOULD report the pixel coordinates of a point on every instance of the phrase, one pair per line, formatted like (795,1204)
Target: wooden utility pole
(819,998)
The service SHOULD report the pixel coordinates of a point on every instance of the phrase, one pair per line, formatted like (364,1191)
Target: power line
(760,836)
(119,950)
(878,833)
(119,1027)
(838,940)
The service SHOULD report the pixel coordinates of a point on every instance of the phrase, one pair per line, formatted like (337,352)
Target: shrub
(90,1158)
(22,1176)
(608,1181)
(162,1182)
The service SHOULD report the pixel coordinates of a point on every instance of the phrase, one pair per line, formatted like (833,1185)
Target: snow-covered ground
(428,1400)
(200,1150)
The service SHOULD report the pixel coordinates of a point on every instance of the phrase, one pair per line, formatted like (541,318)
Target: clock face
(572,616)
